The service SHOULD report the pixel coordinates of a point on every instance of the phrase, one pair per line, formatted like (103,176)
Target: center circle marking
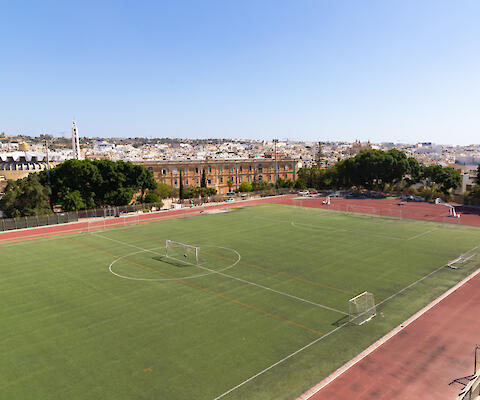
(239,257)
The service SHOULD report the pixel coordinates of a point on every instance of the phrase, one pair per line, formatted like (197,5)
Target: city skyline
(401,72)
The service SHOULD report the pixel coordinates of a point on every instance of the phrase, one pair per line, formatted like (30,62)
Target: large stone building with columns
(19,164)
(219,172)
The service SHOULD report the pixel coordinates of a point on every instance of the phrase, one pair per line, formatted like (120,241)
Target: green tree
(261,185)
(71,175)
(444,178)
(230,184)
(245,187)
(203,182)
(120,197)
(473,196)
(164,191)
(369,169)
(284,183)
(99,182)
(319,155)
(26,197)
(152,197)
(196,192)
(72,201)
(180,188)
(414,171)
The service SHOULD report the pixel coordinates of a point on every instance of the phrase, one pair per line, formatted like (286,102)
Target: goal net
(182,252)
(462,261)
(361,308)
(364,211)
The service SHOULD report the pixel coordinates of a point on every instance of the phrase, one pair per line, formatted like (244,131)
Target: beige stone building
(219,172)
(18,165)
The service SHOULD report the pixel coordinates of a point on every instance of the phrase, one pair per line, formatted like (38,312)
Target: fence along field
(264,314)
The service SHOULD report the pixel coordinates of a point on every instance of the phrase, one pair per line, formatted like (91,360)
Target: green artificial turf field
(105,315)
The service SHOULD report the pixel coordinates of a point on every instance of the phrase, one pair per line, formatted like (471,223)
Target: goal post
(359,209)
(361,308)
(182,252)
(462,260)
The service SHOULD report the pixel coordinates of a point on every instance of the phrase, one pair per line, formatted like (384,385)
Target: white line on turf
(384,339)
(300,225)
(315,228)
(110,267)
(338,328)
(235,278)
(280,361)
(421,234)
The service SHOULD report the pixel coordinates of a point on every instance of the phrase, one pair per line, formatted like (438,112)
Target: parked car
(304,193)
(230,200)
(407,198)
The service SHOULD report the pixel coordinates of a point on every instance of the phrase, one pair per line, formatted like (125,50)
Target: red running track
(100,223)
(418,362)
(387,207)
(390,207)
(422,359)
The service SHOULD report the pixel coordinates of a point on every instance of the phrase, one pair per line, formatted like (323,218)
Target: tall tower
(75,142)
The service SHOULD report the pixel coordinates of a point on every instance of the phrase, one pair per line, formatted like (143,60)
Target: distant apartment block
(219,172)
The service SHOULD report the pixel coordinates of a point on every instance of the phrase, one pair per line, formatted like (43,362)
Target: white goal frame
(361,308)
(189,248)
(360,210)
(460,261)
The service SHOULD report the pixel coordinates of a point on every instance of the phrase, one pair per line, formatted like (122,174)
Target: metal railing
(7,224)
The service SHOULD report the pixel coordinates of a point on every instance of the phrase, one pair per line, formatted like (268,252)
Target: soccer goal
(460,262)
(364,211)
(361,308)
(182,252)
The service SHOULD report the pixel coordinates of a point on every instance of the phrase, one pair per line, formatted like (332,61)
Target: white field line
(307,395)
(169,213)
(300,225)
(280,361)
(346,323)
(421,234)
(169,279)
(235,278)
(315,228)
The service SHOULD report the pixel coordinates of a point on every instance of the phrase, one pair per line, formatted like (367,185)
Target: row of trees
(473,195)
(377,169)
(84,184)
(77,185)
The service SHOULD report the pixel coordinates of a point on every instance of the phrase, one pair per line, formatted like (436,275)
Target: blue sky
(387,70)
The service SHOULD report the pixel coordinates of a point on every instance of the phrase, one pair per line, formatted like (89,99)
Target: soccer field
(264,314)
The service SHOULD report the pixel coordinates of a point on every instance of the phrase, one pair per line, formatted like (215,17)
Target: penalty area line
(307,395)
(344,368)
